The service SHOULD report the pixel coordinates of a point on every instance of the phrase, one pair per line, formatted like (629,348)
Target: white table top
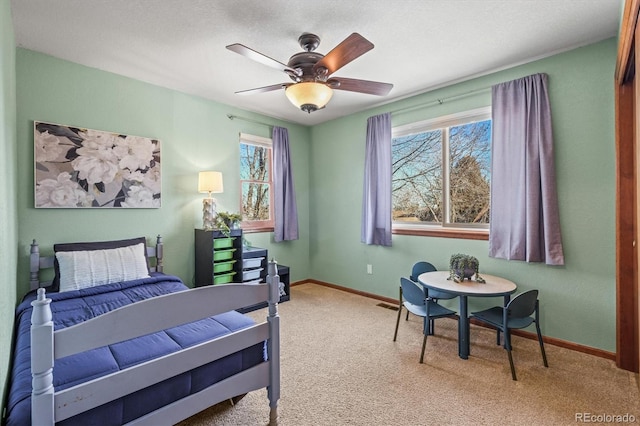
(494,286)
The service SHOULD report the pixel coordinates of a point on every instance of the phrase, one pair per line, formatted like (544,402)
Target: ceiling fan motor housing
(305,61)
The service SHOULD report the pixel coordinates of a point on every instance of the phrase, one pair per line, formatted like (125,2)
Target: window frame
(445,228)
(258,225)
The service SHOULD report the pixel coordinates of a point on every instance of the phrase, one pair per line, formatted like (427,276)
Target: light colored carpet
(341,367)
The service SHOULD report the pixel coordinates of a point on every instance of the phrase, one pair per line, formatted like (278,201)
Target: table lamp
(209,182)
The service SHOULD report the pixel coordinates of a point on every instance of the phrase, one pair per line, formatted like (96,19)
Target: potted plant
(226,221)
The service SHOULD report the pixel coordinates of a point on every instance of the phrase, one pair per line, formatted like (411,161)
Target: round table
(494,286)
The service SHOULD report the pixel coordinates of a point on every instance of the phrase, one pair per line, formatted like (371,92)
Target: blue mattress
(72,307)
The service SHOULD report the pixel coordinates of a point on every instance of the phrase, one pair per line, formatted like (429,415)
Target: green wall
(577,300)
(195,135)
(8,216)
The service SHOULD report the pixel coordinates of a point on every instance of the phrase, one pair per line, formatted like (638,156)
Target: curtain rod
(233,117)
(440,101)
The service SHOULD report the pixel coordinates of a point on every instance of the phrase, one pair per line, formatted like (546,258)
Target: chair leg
(544,355)
(498,337)
(513,369)
(432,329)
(407,318)
(507,346)
(424,345)
(398,322)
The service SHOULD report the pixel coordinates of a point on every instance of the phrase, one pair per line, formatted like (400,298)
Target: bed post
(42,402)
(273,346)
(34,266)
(159,246)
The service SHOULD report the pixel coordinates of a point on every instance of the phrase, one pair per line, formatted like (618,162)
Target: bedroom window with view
(441,172)
(256,182)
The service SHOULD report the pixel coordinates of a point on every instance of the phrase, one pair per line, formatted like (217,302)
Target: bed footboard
(273,345)
(131,321)
(42,395)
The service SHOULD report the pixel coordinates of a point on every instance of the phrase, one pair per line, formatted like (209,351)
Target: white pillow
(84,269)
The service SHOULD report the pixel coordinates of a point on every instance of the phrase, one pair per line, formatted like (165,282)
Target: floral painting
(76,167)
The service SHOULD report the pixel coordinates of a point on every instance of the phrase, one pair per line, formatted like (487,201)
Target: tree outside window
(256,182)
(441,171)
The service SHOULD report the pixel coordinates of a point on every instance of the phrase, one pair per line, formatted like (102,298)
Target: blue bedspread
(72,307)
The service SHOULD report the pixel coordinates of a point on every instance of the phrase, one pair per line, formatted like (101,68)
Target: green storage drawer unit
(220,255)
(223,243)
(220,267)
(223,278)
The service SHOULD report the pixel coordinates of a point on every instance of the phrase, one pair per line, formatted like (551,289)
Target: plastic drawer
(221,243)
(223,266)
(251,274)
(219,255)
(255,262)
(223,278)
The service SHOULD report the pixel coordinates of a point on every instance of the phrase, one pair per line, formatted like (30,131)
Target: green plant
(226,221)
(463,266)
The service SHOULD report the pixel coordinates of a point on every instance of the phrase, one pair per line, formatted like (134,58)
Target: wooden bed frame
(139,319)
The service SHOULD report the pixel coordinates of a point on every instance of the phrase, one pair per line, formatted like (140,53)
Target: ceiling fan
(311,71)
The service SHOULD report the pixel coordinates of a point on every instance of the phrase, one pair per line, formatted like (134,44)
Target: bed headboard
(37,262)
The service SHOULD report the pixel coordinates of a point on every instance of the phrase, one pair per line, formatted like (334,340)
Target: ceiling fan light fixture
(309,96)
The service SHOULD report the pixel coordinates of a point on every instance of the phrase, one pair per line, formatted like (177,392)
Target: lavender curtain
(285,210)
(525,223)
(376,203)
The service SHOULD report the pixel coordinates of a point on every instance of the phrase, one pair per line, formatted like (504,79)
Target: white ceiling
(419,44)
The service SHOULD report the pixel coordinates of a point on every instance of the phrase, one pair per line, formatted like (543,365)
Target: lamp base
(208,213)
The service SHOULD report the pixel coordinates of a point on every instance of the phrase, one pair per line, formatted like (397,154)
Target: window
(441,172)
(256,182)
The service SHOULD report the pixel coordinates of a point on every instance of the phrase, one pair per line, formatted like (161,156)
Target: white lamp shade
(210,182)
(309,93)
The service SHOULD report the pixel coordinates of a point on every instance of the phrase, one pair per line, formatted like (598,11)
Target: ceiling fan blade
(352,47)
(264,89)
(361,86)
(259,57)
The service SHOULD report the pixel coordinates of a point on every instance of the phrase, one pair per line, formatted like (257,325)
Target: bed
(120,351)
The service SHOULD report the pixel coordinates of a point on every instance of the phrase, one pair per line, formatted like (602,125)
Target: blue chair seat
(435,310)
(494,316)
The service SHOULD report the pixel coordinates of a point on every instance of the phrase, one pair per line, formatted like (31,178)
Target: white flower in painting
(61,192)
(47,147)
(96,161)
(95,139)
(152,179)
(149,179)
(139,196)
(134,153)
(136,176)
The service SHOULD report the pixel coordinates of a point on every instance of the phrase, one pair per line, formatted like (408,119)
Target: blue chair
(420,268)
(413,298)
(516,315)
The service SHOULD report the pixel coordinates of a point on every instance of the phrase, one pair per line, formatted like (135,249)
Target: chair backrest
(523,305)
(420,268)
(412,292)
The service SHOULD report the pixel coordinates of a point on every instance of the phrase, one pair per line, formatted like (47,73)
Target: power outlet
(369,269)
